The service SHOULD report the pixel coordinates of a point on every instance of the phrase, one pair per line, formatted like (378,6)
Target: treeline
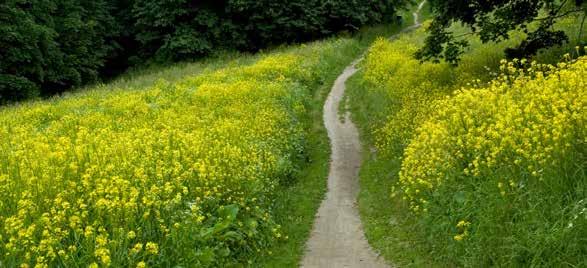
(49,46)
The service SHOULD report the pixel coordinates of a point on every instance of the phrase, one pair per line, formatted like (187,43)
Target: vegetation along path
(337,239)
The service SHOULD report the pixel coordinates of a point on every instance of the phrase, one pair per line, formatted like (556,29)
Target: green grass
(389,225)
(309,70)
(297,204)
(141,77)
(386,220)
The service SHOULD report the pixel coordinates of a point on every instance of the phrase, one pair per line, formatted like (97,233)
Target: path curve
(337,239)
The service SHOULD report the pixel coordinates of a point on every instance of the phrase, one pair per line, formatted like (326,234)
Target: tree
(492,20)
(184,29)
(47,46)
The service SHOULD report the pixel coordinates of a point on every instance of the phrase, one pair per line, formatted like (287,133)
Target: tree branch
(560,7)
(561,15)
(539,19)
(581,28)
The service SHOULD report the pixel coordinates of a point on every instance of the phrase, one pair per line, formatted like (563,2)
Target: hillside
(225,157)
(415,142)
(471,165)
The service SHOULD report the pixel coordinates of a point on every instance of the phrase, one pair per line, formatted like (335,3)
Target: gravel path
(337,239)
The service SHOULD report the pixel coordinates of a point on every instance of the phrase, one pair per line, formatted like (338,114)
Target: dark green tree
(492,20)
(183,29)
(48,46)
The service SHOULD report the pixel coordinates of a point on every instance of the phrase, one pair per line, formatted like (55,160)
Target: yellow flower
(131,235)
(463,224)
(85,165)
(89,231)
(137,248)
(459,237)
(104,255)
(514,117)
(152,248)
(141,264)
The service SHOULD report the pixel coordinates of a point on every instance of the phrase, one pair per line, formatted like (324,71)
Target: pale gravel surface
(337,239)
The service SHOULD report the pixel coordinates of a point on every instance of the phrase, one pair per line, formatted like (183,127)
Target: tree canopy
(48,46)
(492,20)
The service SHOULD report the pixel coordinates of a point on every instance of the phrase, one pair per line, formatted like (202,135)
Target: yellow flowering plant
(499,143)
(511,156)
(179,173)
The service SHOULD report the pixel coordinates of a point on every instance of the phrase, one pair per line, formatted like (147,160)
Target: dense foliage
(493,21)
(48,46)
(183,29)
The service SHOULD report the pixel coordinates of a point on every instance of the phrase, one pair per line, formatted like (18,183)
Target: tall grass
(398,102)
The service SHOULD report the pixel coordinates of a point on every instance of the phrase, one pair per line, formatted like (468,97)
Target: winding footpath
(337,239)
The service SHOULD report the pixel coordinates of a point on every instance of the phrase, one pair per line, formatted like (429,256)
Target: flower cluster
(526,127)
(408,86)
(177,173)
(501,144)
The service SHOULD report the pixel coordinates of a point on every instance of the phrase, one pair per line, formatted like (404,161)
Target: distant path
(337,239)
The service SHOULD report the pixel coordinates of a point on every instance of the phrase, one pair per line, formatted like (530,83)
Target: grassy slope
(146,76)
(296,204)
(386,220)
(389,226)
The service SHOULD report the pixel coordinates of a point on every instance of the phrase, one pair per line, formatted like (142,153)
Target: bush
(16,88)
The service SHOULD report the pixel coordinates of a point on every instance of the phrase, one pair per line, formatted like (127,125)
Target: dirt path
(337,239)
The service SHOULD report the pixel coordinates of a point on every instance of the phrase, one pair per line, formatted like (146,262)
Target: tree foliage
(492,21)
(183,29)
(47,46)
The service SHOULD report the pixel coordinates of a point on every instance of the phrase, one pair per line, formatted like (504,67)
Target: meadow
(214,163)
(181,173)
(482,164)
(223,162)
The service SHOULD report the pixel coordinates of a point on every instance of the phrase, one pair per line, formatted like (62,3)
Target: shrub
(16,88)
